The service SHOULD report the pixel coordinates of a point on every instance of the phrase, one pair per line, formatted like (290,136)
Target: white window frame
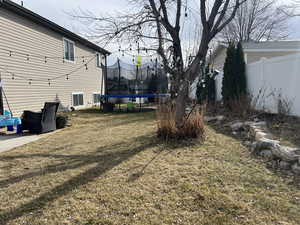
(96,93)
(78,93)
(68,40)
(98,59)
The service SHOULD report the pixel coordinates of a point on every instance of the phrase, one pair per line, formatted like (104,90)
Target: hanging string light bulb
(49,82)
(83,59)
(45,59)
(67,77)
(123,53)
(10,53)
(13,76)
(63,59)
(30,81)
(185,12)
(86,66)
(27,57)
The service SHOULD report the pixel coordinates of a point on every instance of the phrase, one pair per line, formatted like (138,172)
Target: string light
(30,81)
(45,59)
(27,57)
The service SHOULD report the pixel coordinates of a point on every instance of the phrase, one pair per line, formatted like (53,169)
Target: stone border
(262,144)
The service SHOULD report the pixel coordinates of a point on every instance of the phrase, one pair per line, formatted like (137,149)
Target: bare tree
(258,20)
(159,24)
(291,8)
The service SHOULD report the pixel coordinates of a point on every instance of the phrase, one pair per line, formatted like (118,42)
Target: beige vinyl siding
(20,34)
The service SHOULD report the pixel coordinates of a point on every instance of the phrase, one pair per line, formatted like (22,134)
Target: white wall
(268,79)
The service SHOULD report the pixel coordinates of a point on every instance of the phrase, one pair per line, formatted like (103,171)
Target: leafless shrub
(193,126)
(258,101)
(241,106)
(284,106)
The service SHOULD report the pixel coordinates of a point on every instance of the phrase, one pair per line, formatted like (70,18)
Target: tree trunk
(181,103)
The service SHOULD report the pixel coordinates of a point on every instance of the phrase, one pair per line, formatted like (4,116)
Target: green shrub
(234,79)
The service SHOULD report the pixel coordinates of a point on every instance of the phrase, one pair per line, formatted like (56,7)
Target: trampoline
(127,83)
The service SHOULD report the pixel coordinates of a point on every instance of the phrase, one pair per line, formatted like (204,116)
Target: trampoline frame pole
(119,82)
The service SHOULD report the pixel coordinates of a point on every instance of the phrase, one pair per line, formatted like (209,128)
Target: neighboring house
(34,50)
(255,51)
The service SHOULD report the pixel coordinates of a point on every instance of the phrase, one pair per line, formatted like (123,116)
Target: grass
(111,169)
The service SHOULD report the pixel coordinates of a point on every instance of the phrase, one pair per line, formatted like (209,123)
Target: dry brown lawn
(110,169)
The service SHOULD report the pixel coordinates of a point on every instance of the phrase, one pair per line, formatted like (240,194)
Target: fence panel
(273,83)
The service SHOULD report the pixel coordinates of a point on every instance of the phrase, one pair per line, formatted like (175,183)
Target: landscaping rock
(282,157)
(237,126)
(220,118)
(208,118)
(286,153)
(284,165)
(260,135)
(265,143)
(266,154)
(296,168)
(214,118)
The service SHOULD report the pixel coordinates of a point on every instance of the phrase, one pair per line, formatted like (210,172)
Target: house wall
(22,35)
(250,57)
(219,60)
(256,56)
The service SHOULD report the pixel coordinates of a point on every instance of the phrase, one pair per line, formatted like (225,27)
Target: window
(77,99)
(69,50)
(99,62)
(97,98)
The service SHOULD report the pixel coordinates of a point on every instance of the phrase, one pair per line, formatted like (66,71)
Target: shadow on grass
(106,161)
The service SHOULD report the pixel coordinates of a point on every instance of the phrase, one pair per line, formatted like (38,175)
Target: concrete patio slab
(9,142)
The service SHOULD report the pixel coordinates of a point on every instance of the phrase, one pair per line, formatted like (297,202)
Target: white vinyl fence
(273,83)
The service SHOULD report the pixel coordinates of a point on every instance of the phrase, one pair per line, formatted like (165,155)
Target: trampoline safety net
(126,79)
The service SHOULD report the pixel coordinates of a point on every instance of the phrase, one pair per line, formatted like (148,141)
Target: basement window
(77,99)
